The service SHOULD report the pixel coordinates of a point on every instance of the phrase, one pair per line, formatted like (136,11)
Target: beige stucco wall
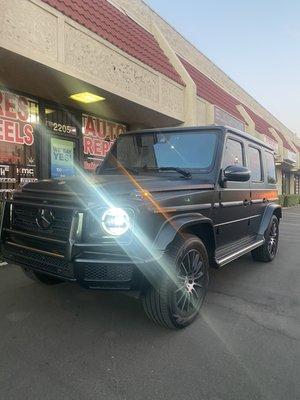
(33,29)
(144,14)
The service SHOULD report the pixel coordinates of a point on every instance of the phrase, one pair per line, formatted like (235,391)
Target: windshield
(145,151)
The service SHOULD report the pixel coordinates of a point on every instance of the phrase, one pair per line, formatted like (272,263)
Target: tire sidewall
(267,236)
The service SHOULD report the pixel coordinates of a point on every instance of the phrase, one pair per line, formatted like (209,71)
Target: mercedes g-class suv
(164,206)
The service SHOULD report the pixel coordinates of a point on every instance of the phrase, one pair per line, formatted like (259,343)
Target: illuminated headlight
(115,221)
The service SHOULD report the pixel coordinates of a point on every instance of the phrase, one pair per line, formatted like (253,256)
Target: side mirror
(237,173)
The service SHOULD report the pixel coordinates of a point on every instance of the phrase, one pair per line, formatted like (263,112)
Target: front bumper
(93,266)
(100,272)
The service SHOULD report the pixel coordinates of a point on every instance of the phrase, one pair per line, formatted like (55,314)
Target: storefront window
(270,168)
(98,137)
(285,182)
(297,184)
(18,118)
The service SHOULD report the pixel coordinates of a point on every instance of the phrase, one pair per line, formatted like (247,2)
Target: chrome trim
(29,235)
(225,204)
(245,250)
(238,220)
(47,253)
(257,201)
(188,207)
(37,205)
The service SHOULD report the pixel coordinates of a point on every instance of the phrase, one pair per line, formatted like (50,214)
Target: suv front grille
(35,244)
(24,218)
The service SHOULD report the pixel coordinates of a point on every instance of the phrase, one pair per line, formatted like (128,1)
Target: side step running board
(225,260)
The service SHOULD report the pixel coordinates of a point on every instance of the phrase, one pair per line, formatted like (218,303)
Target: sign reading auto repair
(98,137)
(18,116)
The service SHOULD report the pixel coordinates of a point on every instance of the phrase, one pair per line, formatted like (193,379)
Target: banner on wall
(98,137)
(62,158)
(222,117)
(18,117)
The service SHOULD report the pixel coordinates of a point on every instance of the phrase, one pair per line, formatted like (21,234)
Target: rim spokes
(273,238)
(189,289)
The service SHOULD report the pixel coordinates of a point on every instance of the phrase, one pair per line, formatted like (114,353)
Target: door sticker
(62,158)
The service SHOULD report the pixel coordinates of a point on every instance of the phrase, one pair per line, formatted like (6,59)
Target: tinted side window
(233,153)
(255,164)
(270,168)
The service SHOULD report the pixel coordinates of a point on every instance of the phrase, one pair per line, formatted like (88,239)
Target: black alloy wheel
(175,301)
(267,252)
(189,296)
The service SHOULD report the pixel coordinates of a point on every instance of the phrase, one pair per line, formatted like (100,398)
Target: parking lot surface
(63,342)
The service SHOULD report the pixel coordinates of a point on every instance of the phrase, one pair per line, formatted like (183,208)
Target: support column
(279,178)
(190,97)
(292,183)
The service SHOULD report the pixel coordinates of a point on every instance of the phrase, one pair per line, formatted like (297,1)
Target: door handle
(246,202)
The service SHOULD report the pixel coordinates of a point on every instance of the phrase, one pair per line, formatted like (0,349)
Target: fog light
(115,221)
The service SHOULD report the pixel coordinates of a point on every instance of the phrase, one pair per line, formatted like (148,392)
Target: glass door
(63,142)
(62,161)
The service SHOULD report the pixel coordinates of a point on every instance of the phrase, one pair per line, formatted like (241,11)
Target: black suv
(164,206)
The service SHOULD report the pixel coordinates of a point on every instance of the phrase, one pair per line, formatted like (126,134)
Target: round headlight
(115,221)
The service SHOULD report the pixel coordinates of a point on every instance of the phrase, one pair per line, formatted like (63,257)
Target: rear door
(231,212)
(262,184)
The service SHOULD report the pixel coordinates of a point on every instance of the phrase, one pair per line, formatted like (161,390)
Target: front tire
(40,277)
(175,301)
(267,252)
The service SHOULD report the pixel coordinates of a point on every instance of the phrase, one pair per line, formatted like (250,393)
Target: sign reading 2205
(61,128)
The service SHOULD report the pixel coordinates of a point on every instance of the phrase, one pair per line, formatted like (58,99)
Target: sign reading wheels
(15,118)
(62,158)
(18,116)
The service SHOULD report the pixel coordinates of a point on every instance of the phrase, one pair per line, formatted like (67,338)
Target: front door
(62,157)
(62,142)
(231,212)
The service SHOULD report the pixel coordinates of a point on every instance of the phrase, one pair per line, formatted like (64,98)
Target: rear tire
(267,252)
(176,299)
(40,277)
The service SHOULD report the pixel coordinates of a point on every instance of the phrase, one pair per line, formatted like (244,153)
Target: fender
(269,211)
(171,226)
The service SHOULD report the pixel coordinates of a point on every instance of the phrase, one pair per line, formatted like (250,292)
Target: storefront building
(142,72)
(44,140)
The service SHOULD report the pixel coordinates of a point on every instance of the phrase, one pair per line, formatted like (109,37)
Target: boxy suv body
(164,206)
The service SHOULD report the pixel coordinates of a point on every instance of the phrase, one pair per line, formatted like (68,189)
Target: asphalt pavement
(63,342)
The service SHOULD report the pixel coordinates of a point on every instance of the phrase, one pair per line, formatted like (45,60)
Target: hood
(118,185)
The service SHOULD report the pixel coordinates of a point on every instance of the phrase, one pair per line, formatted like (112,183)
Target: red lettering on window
(28,134)
(9,131)
(23,112)
(89,126)
(10,105)
(88,145)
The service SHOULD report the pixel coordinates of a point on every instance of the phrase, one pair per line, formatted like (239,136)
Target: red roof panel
(210,91)
(285,142)
(102,18)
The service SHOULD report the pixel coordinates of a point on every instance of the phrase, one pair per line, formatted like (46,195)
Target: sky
(256,43)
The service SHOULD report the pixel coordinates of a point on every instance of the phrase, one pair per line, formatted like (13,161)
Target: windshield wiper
(131,170)
(186,174)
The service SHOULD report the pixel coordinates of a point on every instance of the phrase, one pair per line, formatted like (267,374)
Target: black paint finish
(161,205)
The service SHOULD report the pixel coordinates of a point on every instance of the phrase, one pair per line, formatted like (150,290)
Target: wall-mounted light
(86,97)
